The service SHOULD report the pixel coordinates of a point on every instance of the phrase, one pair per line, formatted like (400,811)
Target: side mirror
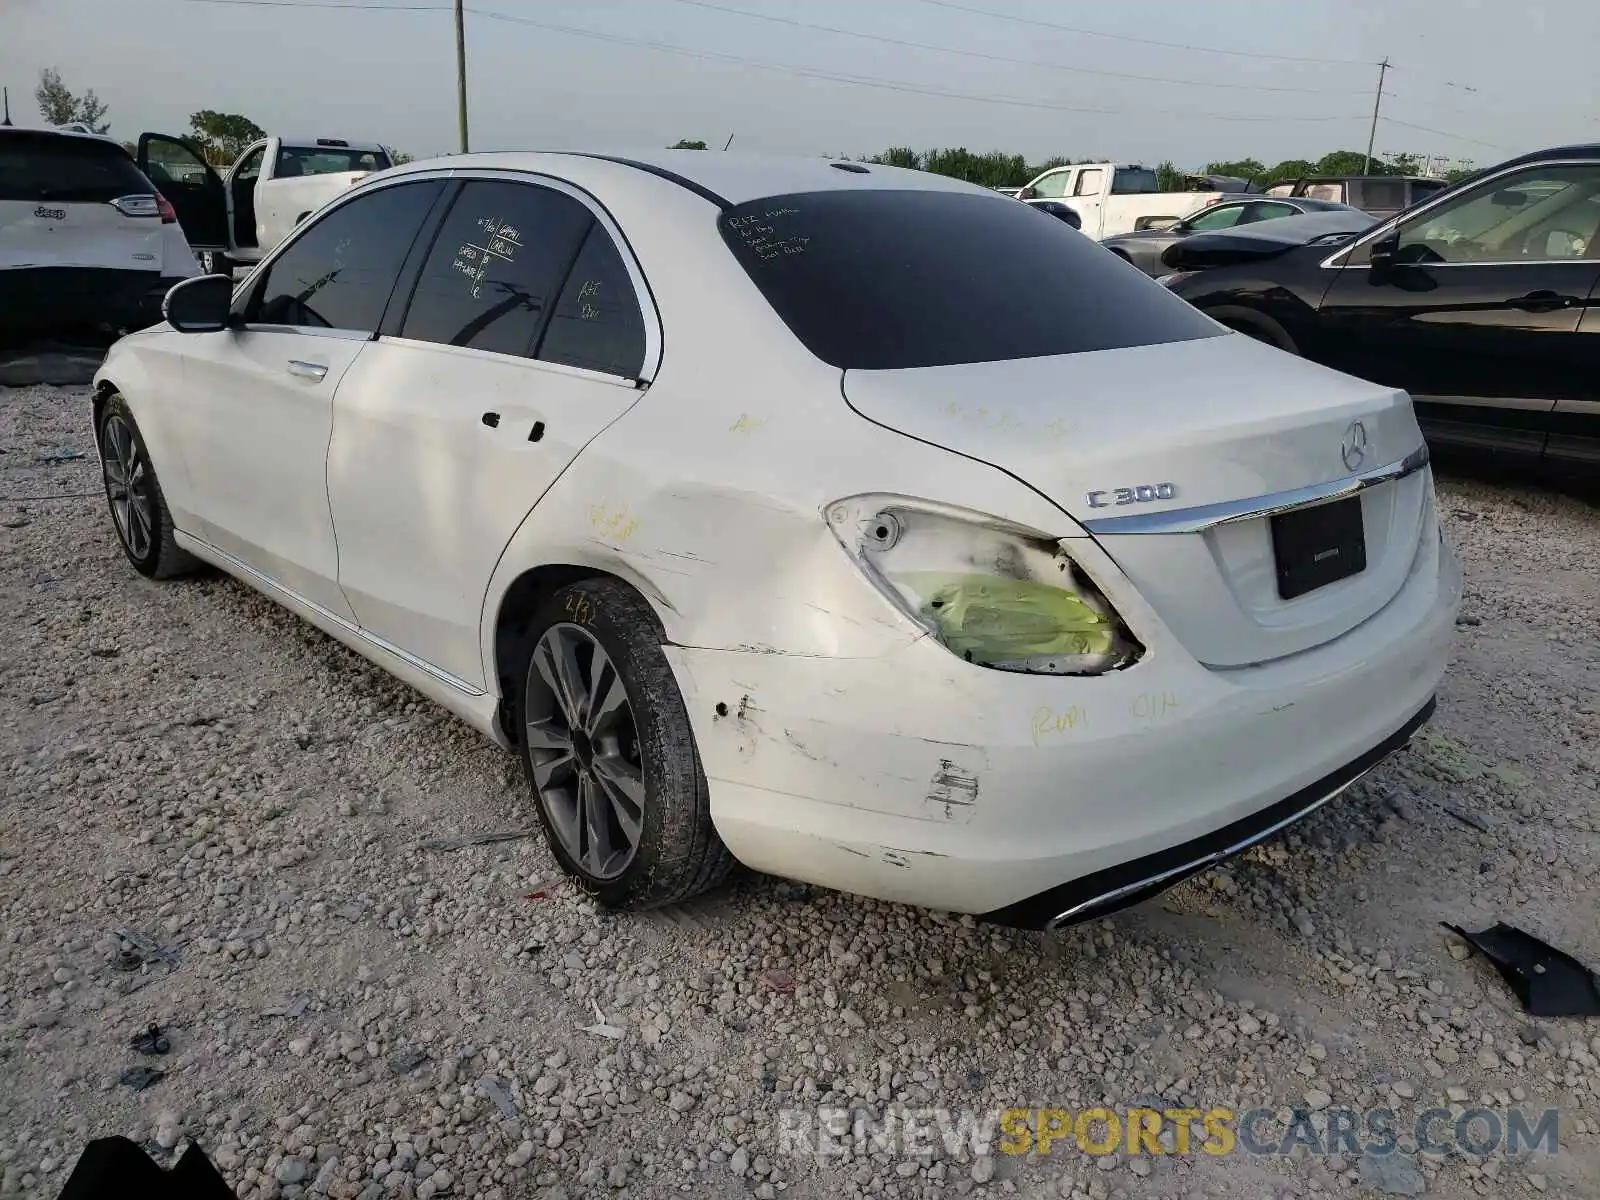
(1380,254)
(1509,198)
(1026,193)
(199,305)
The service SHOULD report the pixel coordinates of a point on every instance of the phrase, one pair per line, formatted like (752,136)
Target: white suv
(85,239)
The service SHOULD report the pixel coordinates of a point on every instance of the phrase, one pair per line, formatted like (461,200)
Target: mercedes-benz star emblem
(1354,446)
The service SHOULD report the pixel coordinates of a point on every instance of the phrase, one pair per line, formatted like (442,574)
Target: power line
(1122,37)
(1444,133)
(860,81)
(892,85)
(1002,58)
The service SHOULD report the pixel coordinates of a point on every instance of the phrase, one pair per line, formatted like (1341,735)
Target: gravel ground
(214,818)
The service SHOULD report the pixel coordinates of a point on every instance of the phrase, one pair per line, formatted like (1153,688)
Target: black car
(1144,247)
(1483,302)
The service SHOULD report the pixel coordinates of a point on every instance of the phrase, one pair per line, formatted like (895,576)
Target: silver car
(1144,247)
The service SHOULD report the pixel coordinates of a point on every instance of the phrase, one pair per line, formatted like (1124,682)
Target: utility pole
(461,73)
(1377,102)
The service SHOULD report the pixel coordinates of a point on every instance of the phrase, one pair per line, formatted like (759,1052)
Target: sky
(1472,79)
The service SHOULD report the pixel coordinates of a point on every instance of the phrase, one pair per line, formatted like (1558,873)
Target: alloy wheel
(127,475)
(583,747)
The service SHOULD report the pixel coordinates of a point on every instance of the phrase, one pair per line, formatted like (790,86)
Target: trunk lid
(59,195)
(1176,426)
(50,233)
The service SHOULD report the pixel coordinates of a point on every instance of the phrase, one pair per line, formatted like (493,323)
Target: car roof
(725,178)
(53,131)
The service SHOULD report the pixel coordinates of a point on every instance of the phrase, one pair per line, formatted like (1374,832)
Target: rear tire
(609,753)
(138,508)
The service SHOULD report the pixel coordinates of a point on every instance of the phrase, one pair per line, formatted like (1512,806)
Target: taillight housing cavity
(993,593)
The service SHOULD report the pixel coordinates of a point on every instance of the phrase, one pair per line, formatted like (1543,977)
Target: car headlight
(995,594)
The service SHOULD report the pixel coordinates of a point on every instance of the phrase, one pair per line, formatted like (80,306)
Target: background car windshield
(328,160)
(883,279)
(51,167)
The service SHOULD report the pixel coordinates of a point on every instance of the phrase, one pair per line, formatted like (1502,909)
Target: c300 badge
(1143,493)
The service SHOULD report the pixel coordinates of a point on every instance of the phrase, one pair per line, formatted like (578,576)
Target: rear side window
(1383,193)
(884,280)
(596,323)
(43,166)
(339,272)
(494,268)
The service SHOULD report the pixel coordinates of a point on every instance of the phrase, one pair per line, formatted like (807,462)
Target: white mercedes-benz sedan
(855,524)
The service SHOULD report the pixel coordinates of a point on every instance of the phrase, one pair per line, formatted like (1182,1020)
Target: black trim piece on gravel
(1171,866)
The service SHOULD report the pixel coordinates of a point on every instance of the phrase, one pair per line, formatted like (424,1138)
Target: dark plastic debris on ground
(139,1078)
(151,1041)
(1548,982)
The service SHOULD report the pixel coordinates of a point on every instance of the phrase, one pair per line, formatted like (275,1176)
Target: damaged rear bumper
(1123,886)
(917,778)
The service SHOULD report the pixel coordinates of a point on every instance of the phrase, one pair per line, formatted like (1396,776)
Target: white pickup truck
(1113,199)
(275,184)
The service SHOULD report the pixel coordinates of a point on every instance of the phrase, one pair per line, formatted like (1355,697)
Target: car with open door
(235,216)
(853,523)
(1481,302)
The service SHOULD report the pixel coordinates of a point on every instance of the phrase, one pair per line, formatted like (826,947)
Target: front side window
(495,267)
(249,167)
(1053,186)
(1089,182)
(1326,191)
(339,272)
(1223,216)
(1540,214)
(882,279)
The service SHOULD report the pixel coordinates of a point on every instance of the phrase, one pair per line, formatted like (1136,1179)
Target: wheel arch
(1252,322)
(520,600)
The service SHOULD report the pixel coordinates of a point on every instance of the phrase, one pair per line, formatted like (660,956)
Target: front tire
(609,753)
(138,507)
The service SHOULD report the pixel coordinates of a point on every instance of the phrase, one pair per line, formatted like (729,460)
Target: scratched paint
(982,416)
(953,792)
(747,424)
(1049,722)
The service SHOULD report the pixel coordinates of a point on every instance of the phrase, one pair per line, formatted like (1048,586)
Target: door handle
(1543,301)
(307,370)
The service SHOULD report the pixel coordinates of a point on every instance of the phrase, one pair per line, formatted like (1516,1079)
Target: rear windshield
(1134,181)
(885,280)
(328,160)
(44,166)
